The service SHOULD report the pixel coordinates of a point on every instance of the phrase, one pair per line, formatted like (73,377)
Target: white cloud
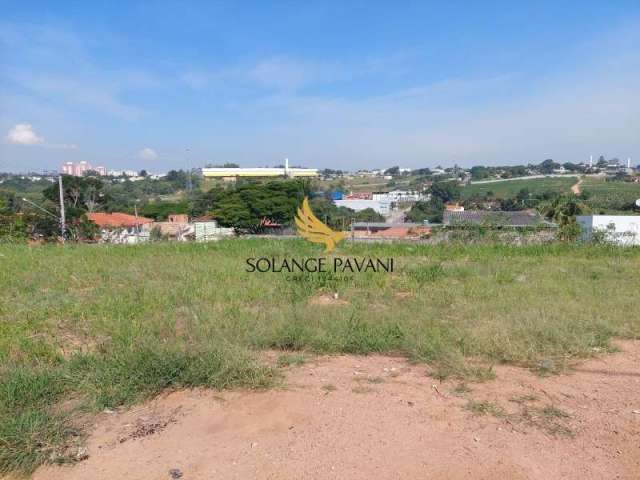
(23,134)
(147,154)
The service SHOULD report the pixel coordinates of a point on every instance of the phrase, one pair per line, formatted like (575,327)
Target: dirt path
(575,188)
(351,417)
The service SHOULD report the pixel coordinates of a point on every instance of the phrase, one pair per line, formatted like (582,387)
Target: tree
(81,194)
(572,167)
(368,215)
(479,172)
(8,203)
(224,165)
(430,211)
(548,166)
(161,210)
(392,171)
(422,172)
(441,192)
(339,218)
(445,191)
(244,206)
(509,204)
(83,229)
(563,210)
(330,172)
(178,178)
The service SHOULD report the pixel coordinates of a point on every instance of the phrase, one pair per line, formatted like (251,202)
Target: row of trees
(244,206)
(481,172)
(560,208)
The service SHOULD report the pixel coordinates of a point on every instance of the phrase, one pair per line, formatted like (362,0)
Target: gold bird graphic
(313,230)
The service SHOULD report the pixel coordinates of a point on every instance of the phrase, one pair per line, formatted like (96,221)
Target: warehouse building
(257,172)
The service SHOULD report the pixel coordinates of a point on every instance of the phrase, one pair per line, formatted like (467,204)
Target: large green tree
(81,195)
(244,206)
(446,191)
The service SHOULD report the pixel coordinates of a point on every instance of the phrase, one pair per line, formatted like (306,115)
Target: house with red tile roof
(117,220)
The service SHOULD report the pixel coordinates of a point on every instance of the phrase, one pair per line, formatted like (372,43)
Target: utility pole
(135,208)
(62,217)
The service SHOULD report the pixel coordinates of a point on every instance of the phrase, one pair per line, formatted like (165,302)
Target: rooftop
(117,219)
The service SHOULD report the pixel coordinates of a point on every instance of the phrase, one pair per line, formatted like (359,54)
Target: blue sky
(341,84)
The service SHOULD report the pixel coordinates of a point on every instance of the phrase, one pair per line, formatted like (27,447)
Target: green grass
(288,360)
(88,327)
(609,197)
(510,188)
(485,407)
(549,418)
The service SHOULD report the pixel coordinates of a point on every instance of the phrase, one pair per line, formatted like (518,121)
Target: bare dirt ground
(575,188)
(349,417)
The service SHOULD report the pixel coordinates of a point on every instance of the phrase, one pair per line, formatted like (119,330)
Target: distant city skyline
(341,85)
(81,168)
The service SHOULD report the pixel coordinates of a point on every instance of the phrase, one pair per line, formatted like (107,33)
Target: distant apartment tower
(79,169)
(67,168)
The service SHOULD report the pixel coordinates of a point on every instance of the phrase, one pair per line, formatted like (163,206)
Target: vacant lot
(84,328)
(354,417)
(510,188)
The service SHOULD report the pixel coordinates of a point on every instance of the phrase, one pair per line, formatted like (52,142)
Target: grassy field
(510,188)
(607,197)
(89,327)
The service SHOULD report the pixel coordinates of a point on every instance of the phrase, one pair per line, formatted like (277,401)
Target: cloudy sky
(345,84)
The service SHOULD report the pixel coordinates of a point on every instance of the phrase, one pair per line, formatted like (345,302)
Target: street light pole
(62,216)
(40,208)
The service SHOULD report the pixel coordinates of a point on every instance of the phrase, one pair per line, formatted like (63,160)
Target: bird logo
(313,230)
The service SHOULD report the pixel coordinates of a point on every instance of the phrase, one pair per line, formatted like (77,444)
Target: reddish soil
(350,417)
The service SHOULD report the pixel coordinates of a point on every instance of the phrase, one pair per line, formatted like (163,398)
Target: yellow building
(223,172)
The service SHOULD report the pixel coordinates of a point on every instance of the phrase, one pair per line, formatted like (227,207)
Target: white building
(223,172)
(399,196)
(380,206)
(210,231)
(618,229)
(122,173)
